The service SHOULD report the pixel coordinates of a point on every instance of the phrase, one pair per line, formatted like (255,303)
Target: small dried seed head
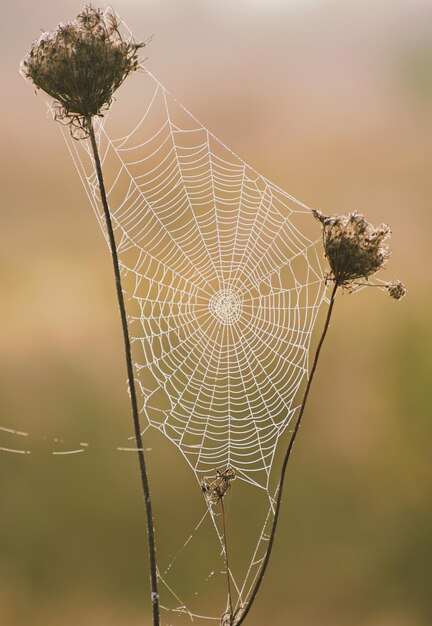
(396,289)
(81,64)
(353,247)
(216,488)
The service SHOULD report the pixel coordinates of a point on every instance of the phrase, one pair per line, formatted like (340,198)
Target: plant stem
(286,459)
(133,396)
(225,544)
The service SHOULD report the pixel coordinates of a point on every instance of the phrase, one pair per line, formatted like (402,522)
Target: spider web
(224,282)
(223,278)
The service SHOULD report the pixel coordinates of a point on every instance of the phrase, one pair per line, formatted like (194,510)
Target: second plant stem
(227,567)
(132,389)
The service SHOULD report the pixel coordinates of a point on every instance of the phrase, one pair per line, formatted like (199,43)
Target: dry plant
(355,251)
(215,490)
(81,64)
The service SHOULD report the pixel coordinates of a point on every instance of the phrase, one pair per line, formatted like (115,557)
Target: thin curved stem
(133,396)
(227,567)
(286,459)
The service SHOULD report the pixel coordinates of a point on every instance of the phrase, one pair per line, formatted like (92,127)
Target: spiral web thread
(223,286)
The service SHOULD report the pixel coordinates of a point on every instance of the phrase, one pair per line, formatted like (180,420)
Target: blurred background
(331,100)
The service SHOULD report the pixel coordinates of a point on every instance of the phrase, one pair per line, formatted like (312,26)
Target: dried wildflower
(353,247)
(396,289)
(81,64)
(214,490)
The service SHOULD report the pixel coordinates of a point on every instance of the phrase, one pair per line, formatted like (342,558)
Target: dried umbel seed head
(353,247)
(215,489)
(396,289)
(81,64)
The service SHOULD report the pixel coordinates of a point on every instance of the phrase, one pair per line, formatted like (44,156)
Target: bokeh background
(332,100)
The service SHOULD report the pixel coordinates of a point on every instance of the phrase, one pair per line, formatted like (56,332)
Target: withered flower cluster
(81,64)
(356,250)
(396,289)
(215,489)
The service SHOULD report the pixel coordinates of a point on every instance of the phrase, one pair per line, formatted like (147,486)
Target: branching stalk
(286,459)
(133,396)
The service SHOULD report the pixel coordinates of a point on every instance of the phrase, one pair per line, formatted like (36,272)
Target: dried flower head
(214,490)
(396,289)
(353,247)
(81,64)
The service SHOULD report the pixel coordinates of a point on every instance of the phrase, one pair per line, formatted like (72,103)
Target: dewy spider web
(222,270)
(224,286)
